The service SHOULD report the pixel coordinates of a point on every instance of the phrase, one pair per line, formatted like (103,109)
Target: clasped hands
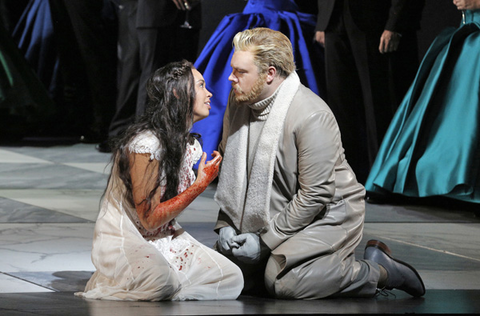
(246,247)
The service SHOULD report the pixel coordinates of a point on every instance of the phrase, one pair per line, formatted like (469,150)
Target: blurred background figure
(432,145)
(85,31)
(168,30)
(151,34)
(25,104)
(128,72)
(371,56)
(71,46)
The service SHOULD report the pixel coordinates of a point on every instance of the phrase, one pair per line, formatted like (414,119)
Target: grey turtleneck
(258,117)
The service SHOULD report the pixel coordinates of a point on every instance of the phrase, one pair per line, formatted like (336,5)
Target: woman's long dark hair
(169,116)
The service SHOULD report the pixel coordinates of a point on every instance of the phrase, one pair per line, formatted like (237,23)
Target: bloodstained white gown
(134,264)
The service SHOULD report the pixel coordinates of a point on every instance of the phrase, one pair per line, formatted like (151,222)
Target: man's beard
(254,92)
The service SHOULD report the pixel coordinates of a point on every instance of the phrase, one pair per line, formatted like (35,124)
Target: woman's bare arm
(163,212)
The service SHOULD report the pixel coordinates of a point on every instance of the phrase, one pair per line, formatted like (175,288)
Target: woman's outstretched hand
(208,171)
(165,211)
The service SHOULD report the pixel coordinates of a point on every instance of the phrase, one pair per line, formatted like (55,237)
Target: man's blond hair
(269,48)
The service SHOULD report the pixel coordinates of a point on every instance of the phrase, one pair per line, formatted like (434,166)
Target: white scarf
(247,203)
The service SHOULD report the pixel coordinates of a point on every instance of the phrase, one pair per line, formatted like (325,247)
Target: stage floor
(49,196)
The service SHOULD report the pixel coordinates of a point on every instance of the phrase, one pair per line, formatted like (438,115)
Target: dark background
(437,15)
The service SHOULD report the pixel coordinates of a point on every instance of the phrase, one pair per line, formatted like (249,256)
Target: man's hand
(182,4)
(320,38)
(250,249)
(225,242)
(467,4)
(389,42)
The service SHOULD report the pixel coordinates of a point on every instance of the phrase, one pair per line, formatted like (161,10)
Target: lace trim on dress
(146,143)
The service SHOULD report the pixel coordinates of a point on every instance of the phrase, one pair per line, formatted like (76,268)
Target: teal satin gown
(432,145)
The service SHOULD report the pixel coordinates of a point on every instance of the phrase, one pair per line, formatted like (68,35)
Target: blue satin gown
(34,35)
(214,60)
(432,145)
(24,101)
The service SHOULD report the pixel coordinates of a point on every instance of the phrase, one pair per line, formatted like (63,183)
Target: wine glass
(189,4)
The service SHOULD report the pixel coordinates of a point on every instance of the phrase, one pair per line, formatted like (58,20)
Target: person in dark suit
(152,33)
(168,30)
(128,72)
(86,42)
(371,57)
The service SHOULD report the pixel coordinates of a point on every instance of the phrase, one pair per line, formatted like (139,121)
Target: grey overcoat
(317,208)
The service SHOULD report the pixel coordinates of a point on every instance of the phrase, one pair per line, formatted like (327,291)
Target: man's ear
(271,73)
(175,93)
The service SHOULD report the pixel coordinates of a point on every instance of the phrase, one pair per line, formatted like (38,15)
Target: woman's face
(201,108)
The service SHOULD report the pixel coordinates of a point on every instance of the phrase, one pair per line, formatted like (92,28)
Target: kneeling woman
(139,250)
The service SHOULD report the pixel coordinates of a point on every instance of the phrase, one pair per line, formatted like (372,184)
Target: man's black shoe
(401,275)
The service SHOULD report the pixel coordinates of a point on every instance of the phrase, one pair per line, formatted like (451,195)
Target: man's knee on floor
(306,281)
